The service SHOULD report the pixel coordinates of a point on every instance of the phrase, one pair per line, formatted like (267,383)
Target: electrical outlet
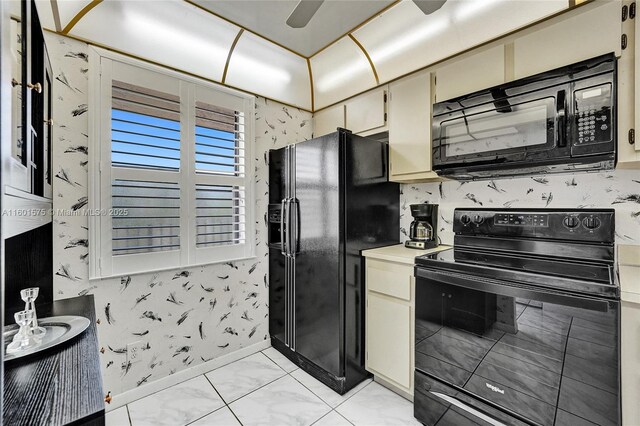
(133,350)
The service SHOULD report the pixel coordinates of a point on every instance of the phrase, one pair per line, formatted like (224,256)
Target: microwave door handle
(561,109)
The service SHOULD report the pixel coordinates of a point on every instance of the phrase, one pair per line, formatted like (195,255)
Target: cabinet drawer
(390,282)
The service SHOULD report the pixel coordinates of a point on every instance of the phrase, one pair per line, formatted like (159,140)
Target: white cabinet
(367,111)
(629,95)
(388,344)
(629,91)
(364,114)
(594,32)
(328,120)
(389,323)
(470,73)
(410,103)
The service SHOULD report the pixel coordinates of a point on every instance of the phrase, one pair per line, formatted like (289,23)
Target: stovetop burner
(567,250)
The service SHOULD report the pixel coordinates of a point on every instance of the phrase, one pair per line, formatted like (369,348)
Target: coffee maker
(423,232)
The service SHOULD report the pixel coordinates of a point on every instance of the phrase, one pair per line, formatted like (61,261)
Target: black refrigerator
(329,199)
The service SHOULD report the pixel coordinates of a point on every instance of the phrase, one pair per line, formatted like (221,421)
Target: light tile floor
(264,389)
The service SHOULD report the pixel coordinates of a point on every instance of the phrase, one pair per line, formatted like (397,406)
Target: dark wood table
(62,385)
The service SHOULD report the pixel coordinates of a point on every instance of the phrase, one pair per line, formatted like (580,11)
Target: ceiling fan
(305,9)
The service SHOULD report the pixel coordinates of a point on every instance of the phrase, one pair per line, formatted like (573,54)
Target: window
(170,162)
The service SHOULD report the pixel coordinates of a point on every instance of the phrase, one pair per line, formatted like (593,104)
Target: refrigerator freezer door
(318,279)
(277,175)
(277,294)
(278,262)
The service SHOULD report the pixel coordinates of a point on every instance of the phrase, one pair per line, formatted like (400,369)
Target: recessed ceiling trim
(56,15)
(122,52)
(72,23)
(362,24)
(233,46)
(311,84)
(366,54)
(244,28)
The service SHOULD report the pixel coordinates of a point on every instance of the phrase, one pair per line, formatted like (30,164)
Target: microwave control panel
(592,118)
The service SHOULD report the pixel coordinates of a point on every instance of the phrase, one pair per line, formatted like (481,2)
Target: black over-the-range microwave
(558,121)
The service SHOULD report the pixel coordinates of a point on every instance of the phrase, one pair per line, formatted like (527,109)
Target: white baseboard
(124,398)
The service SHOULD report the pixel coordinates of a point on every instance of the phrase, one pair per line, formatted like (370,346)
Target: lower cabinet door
(389,338)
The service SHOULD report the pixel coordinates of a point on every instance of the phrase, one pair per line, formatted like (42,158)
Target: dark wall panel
(28,263)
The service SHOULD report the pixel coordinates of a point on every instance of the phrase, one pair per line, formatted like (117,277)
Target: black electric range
(519,323)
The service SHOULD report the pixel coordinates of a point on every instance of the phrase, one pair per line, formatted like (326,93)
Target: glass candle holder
(24,338)
(29,296)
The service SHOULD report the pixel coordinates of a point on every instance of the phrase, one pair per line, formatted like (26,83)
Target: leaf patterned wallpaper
(618,189)
(182,317)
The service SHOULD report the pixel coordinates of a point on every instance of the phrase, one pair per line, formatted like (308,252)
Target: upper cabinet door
(470,74)
(367,111)
(410,127)
(594,32)
(328,120)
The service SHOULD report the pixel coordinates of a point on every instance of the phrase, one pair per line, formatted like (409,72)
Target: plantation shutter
(221,177)
(174,178)
(141,169)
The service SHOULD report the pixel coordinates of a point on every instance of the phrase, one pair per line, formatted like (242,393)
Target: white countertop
(399,253)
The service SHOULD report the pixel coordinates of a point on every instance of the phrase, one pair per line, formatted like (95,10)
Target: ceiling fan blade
(303,13)
(429,6)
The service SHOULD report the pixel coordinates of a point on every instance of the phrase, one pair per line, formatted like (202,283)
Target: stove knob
(571,221)
(465,219)
(477,219)
(591,223)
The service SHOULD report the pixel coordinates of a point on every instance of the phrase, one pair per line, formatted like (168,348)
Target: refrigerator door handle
(294,236)
(282,222)
(287,222)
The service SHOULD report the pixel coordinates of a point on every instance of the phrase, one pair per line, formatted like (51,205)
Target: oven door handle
(461,405)
(505,289)
(561,109)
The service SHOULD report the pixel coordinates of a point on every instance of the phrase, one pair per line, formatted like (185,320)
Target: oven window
(543,360)
(505,128)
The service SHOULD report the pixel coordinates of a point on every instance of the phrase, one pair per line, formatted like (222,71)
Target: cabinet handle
(49,122)
(37,86)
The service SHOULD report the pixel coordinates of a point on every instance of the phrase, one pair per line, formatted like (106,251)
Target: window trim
(101,260)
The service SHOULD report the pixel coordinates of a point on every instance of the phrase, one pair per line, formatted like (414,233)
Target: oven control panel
(521,219)
(570,224)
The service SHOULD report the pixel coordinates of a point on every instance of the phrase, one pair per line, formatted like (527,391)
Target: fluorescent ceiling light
(170,35)
(405,41)
(470,8)
(341,74)
(271,73)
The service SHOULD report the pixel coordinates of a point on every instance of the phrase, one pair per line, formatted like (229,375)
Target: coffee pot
(423,232)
